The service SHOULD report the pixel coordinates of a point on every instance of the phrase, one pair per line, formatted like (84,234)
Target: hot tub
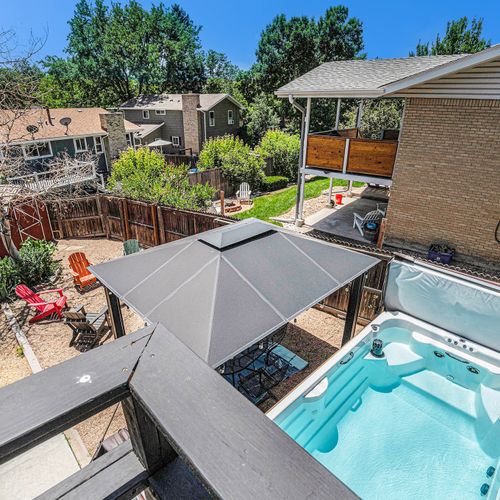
(423,421)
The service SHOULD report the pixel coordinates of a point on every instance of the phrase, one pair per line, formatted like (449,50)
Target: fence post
(154,216)
(59,220)
(381,233)
(103,206)
(124,214)
(161,224)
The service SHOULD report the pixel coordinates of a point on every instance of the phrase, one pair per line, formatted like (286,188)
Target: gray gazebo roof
(223,290)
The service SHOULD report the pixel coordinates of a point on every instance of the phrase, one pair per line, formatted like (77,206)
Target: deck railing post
(149,445)
(355,294)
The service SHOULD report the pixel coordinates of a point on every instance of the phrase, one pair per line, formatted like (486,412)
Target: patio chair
(130,247)
(45,308)
(257,385)
(82,277)
(243,194)
(373,216)
(88,328)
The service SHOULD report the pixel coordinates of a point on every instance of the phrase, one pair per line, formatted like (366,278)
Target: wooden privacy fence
(123,219)
(371,299)
(213,177)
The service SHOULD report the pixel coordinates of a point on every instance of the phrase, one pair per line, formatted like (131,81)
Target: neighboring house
(182,122)
(42,133)
(444,169)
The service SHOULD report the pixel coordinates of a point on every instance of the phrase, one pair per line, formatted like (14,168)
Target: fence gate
(30,220)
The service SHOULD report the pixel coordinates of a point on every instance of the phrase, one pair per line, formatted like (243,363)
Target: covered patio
(228,293)
(346,154)
(338,220)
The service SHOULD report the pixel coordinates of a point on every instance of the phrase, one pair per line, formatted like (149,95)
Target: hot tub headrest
(459,305)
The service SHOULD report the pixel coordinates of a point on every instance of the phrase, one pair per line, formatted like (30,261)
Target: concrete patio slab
(35,471)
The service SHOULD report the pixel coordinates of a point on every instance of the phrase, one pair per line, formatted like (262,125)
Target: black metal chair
(257,385)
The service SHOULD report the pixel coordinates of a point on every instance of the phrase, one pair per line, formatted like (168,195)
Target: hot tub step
(444,391)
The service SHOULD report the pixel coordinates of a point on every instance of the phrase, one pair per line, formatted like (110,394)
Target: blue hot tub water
(410,425)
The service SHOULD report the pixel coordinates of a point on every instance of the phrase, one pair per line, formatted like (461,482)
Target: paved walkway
(38,469)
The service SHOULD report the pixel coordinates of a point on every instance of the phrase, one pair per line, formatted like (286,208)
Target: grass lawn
(274,204)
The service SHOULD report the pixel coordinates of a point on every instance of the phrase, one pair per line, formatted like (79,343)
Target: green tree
(261,117)
(288,48)
(236,159)
(217,65)
(125,49)
(143,175)
(339,36)
(283,149)
(459,39)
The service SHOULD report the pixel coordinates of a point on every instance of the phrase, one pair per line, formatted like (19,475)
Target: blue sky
(391,28)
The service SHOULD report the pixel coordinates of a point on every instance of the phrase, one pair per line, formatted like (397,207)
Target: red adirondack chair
(82,277)
(45,308)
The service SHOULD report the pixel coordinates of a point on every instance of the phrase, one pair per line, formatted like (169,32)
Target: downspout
(204,125)
(302,111)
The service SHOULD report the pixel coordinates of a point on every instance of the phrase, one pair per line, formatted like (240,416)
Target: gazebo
(224,290)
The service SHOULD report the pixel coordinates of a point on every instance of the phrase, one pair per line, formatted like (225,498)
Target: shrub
(144,175)
(214,150)
(9,277)
(36,261)
(236,160)
(274,182)
(283,149)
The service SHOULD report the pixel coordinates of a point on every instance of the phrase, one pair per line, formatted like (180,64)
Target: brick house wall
(446,183)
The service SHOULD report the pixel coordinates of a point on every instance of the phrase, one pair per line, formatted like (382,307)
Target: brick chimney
(191,121)
(113,123)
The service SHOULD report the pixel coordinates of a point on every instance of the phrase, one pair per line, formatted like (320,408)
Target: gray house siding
(221,125)
(172,125)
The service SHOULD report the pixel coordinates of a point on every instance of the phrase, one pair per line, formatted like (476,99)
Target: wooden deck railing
(192,434)
(355,156)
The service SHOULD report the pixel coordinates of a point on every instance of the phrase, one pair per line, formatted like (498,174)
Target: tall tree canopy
(289,48)
(459,39)
(123,50)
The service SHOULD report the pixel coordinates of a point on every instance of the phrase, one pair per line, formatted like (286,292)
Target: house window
(130,140)
(160,112)
(230,117)
(145,114)
(176,141)
(80,144)
(37,150)
(211,118)
(98,147)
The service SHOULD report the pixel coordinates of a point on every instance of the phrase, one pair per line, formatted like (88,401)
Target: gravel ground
(13,366)
(50,339)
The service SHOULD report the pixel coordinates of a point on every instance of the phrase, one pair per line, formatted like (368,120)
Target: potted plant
(441,252)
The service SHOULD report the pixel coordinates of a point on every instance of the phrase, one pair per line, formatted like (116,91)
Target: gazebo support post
(299,221)
(115,314)
(355,294)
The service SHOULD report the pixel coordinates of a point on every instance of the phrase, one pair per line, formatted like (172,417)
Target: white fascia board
(351,94)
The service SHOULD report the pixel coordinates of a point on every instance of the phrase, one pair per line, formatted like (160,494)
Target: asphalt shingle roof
(84,122)
(362,74)
(171,102)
